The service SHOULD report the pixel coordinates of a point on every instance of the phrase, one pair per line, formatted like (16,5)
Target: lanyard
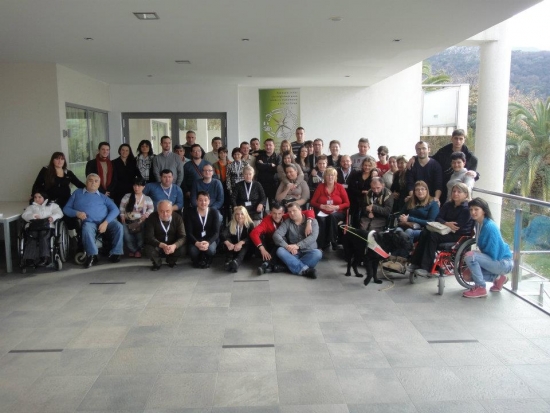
(239,230)
(167,193)
(205,218)
(248,190)
(238,167)
(346,175)
(166,229)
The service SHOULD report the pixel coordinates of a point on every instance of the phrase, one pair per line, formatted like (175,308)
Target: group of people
(138,201)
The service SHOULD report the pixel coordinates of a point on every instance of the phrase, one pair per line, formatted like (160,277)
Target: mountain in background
(529,72)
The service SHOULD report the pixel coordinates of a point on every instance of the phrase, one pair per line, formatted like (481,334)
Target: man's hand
(403,218)
(102,227)
(260,208)
(169,249)
(123,219)
(266,256)
(411,162)
(293,249)
(313,172)
(473,174)
(50,219)
(81,215)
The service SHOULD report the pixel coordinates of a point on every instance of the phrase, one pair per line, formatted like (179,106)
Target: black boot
(375,279)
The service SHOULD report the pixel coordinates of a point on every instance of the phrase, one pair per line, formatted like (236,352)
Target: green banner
(279,114)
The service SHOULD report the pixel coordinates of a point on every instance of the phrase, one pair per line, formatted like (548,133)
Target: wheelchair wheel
(63,241)
(80,258)
(58,264)
(412,277)
(459,265)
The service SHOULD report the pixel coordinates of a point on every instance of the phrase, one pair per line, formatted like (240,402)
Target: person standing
(427,170)
(300,139)
(126,171)
(357,159)
(168,160)
(192,171)
(212,156)
(103,167)
(266,165)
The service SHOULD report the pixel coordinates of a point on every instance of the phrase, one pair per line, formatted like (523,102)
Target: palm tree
(429,78)
(528,150)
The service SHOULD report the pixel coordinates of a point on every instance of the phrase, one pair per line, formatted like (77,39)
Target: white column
(492,114)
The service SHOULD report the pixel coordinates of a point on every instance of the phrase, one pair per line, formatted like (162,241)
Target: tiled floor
(187,340)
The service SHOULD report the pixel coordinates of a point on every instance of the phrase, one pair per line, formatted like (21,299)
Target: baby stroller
(28,243)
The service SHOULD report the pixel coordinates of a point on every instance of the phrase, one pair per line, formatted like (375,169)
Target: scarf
(100,172)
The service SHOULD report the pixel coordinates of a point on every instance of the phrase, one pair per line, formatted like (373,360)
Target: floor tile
(183,359)
(99,337)
(516,406)
(247,359)
(303,356)
(125,392)
(346,332)
(251,333)
(180,391)
(138,360)
(371,386)
(536,377)
(297,332)
(357,355)
(246,389)
(309,387)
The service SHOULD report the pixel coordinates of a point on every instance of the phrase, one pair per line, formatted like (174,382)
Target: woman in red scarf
(102,166)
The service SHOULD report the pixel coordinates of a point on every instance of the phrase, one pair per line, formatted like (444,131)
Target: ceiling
(291,42)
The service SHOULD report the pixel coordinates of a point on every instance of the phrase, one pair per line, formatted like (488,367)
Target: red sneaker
(498,283)
(137,254)
(476,292)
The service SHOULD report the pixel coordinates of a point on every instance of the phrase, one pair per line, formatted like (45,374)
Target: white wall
(30,130)
(388,113)
(173,98)
(74,87)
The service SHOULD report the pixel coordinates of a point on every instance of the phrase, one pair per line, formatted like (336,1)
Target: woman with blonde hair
(285,146)
(235,238)
(330,202)
(420,210)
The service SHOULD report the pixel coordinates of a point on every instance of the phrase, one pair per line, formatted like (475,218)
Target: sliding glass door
(152,126)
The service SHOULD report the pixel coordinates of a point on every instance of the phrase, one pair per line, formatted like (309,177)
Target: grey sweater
(289,233)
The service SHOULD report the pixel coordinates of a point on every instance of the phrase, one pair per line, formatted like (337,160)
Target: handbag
(134,227)
(40,224)
(395,264)
(438,227)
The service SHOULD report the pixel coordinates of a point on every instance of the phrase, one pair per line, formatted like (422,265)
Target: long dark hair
(481,203)
(148,142)
(132,200)
(131,156)
(50,170)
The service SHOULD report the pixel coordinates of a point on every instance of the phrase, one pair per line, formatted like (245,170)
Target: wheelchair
(449,260)
(77,248)
(59,246)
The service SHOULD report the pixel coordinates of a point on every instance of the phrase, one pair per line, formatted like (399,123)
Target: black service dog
(357,252)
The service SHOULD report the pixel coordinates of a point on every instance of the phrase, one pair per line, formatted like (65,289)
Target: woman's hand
(229,246)
(453,226)
(403,218)
(50,219)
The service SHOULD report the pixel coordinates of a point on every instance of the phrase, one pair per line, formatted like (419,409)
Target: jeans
(133,242)
(413,234)
(208,255)
(114,232)
(301,261)
(484,268)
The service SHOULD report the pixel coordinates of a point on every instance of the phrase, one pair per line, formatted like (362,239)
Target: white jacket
(43,211)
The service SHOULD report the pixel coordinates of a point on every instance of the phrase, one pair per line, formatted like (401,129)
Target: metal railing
(518,253)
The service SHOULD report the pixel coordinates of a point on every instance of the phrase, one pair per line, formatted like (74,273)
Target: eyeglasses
(208,170)
(381,154)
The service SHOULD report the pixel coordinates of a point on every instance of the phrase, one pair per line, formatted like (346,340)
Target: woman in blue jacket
(493,260)
(420,210)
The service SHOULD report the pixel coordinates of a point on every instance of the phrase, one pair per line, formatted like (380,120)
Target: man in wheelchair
(98,213)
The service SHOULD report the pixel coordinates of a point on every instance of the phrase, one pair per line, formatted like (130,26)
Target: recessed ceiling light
(149,15)
(149,75)
(88,38)
(248,75)
(336,19)
(245,40)
(347,76)
(183,62)
(396,40)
